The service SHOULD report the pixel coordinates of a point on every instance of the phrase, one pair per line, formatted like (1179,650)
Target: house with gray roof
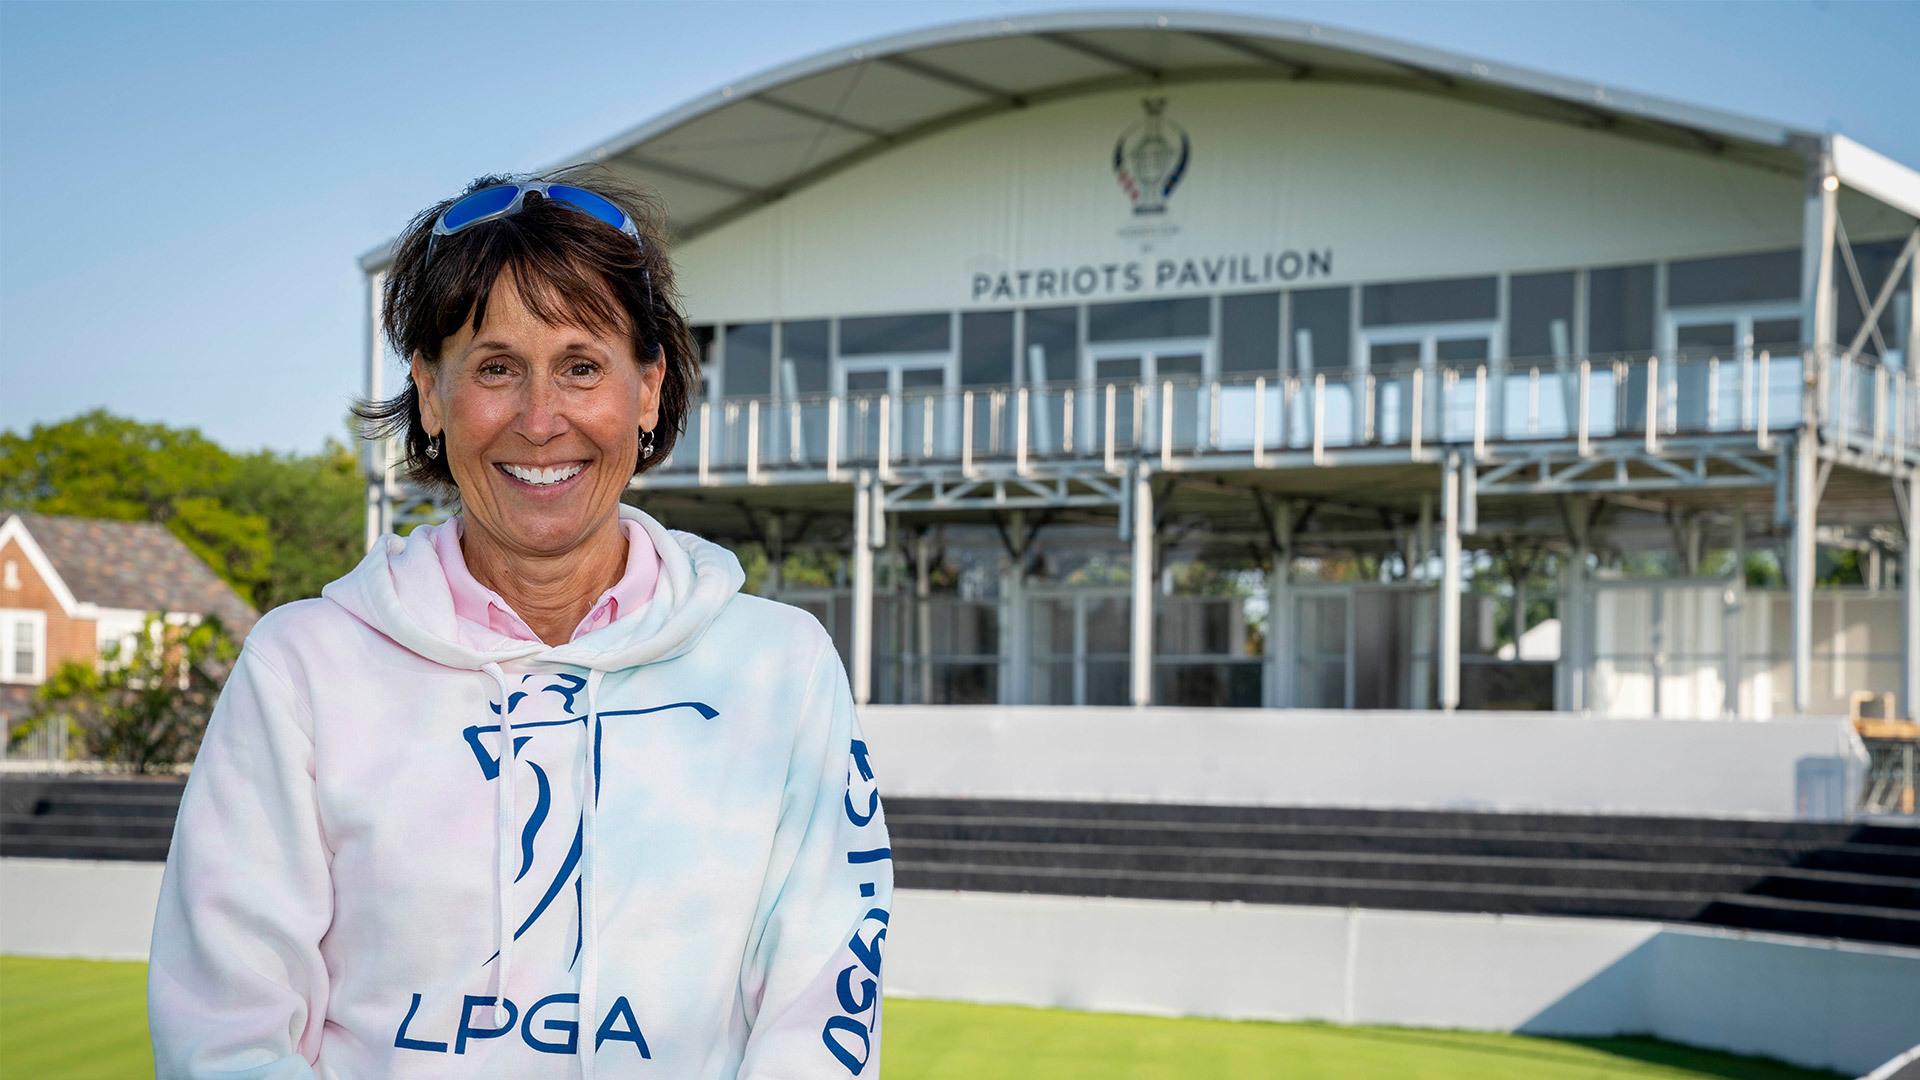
(72,586)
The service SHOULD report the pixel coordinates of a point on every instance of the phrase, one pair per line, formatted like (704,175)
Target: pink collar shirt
(484,617)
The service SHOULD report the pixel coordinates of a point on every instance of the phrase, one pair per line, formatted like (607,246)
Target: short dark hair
(568,267)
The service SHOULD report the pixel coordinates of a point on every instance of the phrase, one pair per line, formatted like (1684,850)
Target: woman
(536,791)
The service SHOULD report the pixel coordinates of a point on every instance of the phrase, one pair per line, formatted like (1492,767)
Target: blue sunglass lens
(478,205)
(582,199)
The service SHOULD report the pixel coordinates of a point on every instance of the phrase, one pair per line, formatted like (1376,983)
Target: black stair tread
(91,819)
(128,841)
(911,821)
(66,799)
(1859,911)
(1659,825)
(1850,880)
(1344,883)
(1838,877)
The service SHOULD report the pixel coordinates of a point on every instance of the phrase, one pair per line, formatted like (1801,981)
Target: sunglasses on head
(504,200)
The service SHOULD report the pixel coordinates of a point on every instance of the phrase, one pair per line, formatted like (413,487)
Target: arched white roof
(746,144)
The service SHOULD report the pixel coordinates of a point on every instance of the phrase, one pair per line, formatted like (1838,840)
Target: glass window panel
(1053,626)
(1207,685)
(1394,358)
(1109,625)
(1175,365)
(966,684)
(986,348)
(1776,335)
(1250,332)
(1052,683)
(1322,685)
(922,377)
(703,352)
(1734,279)
(966,628)
(25,647)
(803,345)
(1108,682)
(1321,315)
(1142,319)
(1327,623)
(1620,310)
(749,360)
(869,334)
(1462,350)
(1707,337)
(1195,627)
(1448,300)
(1056,331)
(1535,304)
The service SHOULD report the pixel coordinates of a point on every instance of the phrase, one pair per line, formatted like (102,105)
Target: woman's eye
(585,367)
(492,367)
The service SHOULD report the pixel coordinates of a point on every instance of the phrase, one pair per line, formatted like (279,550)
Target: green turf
(81,1019)
(928,1040)
(73,1019)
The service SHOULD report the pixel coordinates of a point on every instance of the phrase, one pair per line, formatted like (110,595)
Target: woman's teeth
(543,476)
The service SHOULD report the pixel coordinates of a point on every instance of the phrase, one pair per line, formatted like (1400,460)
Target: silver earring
(646,444)
(433,447)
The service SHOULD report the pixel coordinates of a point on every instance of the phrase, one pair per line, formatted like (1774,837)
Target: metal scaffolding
(1817,447)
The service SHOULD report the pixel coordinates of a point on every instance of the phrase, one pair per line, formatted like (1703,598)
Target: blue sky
(185,188)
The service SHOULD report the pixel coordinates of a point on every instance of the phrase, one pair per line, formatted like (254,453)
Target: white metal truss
(1006,492)
(1627,466)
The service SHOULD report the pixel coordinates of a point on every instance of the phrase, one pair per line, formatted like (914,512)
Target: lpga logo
(538,818)
(1146,161)
(545,1025)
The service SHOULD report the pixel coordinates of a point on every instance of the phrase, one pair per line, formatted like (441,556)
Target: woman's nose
(541,418)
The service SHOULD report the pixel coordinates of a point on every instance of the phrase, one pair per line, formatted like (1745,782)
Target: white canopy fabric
(736,148)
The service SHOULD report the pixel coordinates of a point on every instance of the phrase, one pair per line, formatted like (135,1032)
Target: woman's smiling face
(541,423)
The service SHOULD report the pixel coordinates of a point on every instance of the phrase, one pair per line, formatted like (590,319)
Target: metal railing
(1857,403)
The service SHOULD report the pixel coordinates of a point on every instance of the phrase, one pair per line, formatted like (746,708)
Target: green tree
(97,464)
(100,465)
(312,507)
(145,707)
(274,526)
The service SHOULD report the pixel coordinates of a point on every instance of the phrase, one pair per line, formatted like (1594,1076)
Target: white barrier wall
(76,907)
(1544,762)
(1824,1004)
(1821,1004)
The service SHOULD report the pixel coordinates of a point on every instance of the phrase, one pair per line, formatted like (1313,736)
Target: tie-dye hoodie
(657,850)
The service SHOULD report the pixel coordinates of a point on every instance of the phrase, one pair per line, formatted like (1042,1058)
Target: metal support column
(1015,621)
(1142,641)
(1733,625)
(776,557)
(1423,542)
(1450,585)
(863,511)
(1910,606)
(1800,573)
(1821,217)
(1574,624)
(1913,325)
(923,613)
(1280,651)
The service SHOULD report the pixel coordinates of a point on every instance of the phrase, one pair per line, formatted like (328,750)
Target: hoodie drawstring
(507,810)
(504,806)
(589,910)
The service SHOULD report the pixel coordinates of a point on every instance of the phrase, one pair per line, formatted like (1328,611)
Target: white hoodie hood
(716,727)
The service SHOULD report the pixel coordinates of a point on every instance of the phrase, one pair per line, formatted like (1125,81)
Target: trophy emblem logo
(1150,158)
